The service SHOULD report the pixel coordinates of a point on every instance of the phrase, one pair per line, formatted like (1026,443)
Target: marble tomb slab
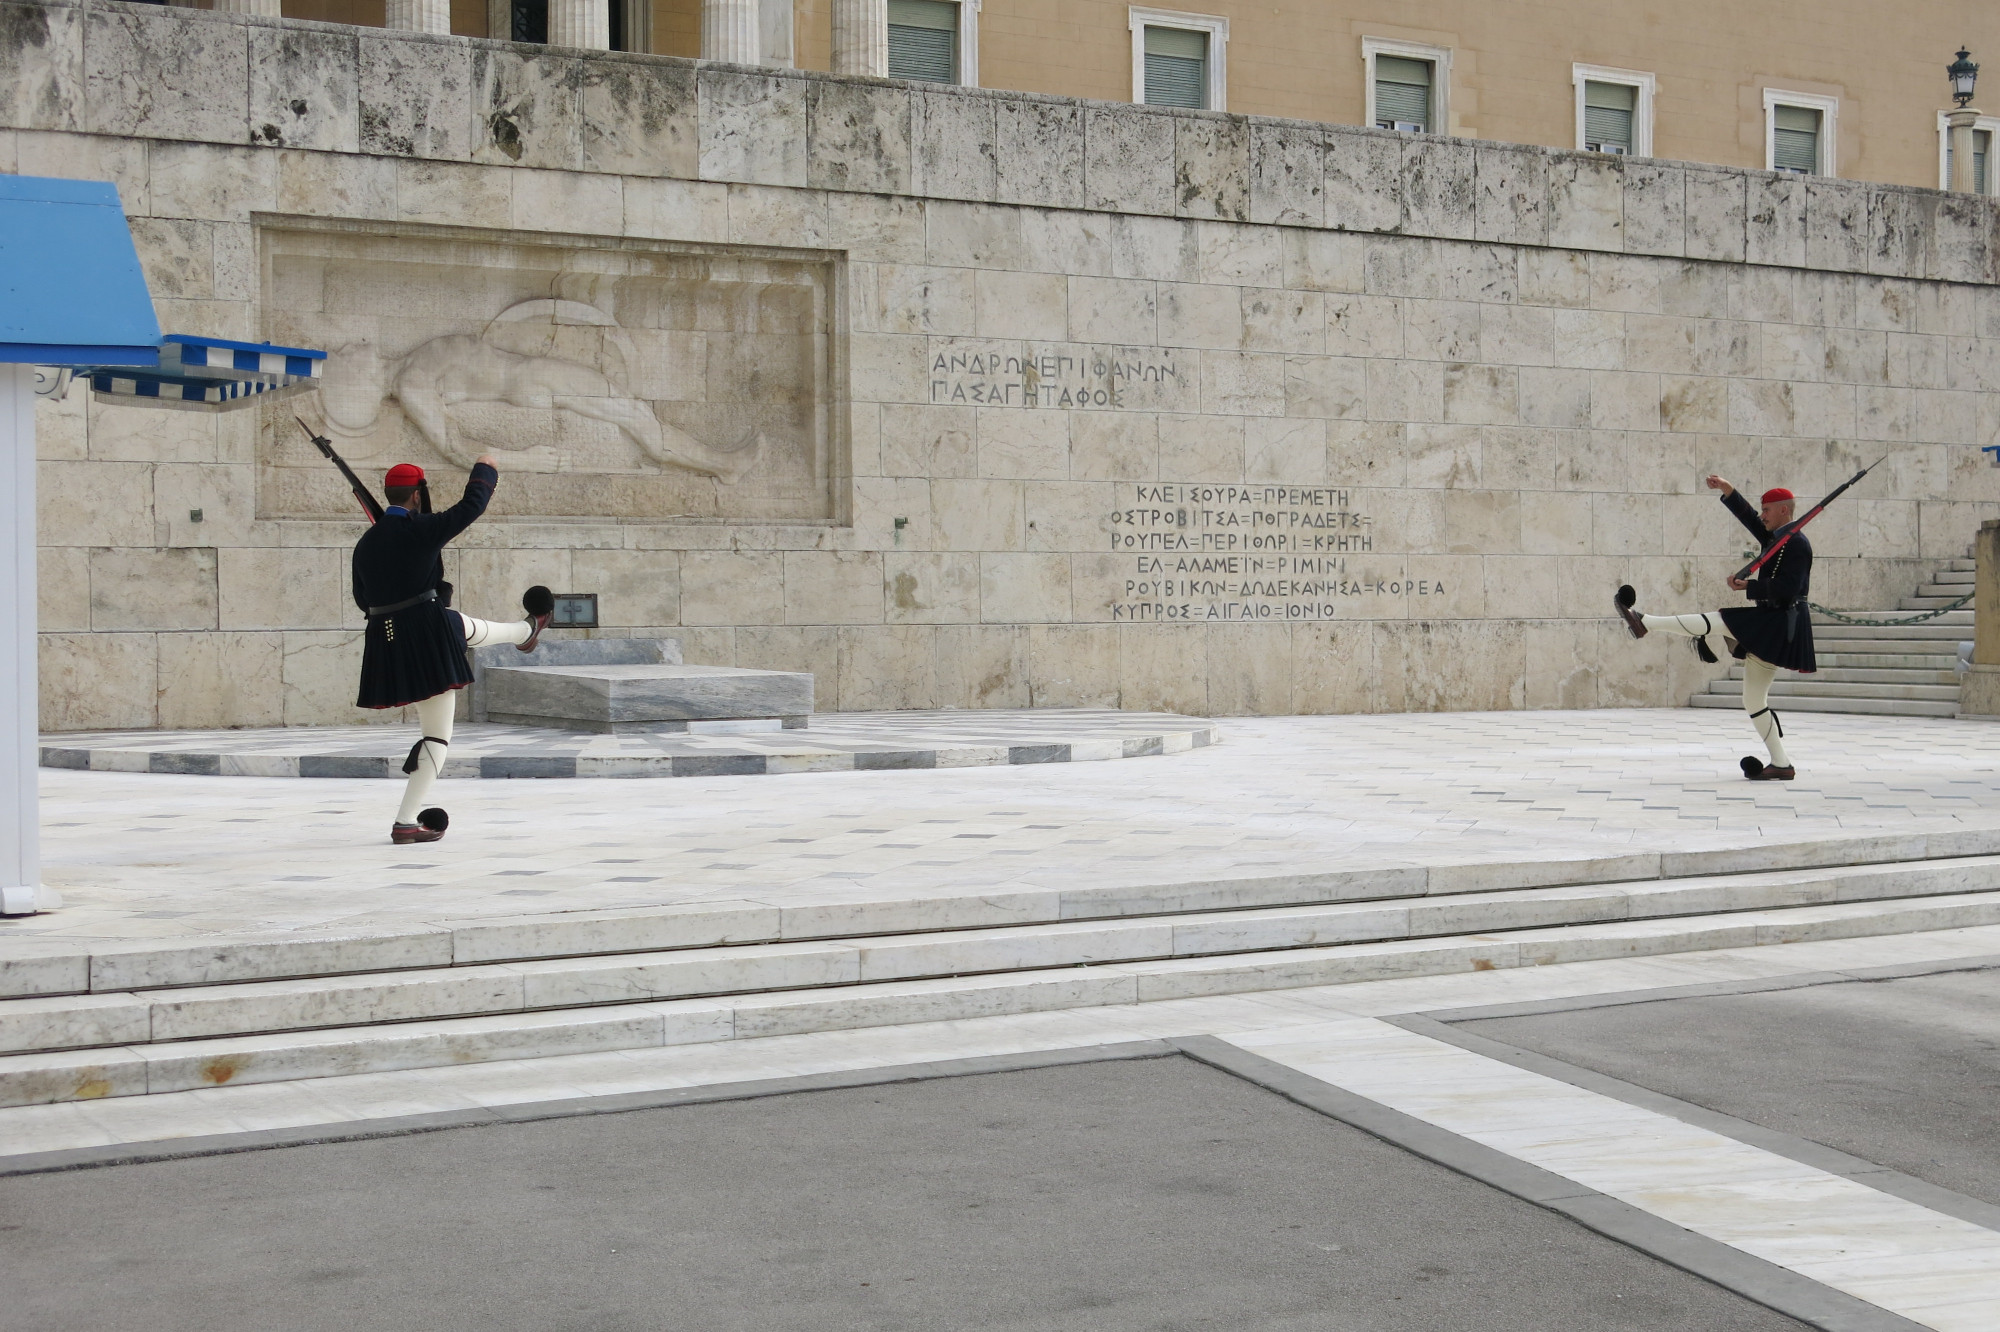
(656,697)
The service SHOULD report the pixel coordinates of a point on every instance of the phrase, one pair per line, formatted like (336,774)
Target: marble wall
(1059,402)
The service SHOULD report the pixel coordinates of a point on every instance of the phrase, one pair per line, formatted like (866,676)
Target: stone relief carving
(612,379)
(460,368)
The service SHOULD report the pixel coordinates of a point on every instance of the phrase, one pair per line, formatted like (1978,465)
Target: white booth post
(20,706)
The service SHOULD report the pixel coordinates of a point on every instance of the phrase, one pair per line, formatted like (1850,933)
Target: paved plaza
(155,856)
(1767,1116)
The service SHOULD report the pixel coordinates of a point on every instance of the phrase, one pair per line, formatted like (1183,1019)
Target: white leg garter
(1757,677)
(434,717)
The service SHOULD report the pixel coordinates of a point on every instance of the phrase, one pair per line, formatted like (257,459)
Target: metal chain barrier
(1887,624)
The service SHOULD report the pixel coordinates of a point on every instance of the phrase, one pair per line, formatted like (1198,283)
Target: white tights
(434,715)
(1757,677)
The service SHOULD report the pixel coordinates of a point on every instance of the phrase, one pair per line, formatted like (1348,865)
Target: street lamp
(1961,124)
(1963,75)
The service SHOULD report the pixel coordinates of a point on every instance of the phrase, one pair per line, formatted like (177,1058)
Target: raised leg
(1698,625)
(478,633)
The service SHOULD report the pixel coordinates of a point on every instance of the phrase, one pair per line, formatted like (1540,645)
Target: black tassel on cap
(538,600)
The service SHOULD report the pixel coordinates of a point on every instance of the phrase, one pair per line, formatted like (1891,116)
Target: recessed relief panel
(612,379)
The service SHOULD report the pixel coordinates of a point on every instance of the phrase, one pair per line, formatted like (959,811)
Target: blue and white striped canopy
(208,374)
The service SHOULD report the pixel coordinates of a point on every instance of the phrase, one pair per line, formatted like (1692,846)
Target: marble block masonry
(615,685)
(959,398)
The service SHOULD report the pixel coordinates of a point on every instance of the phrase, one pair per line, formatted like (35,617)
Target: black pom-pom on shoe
(435,819)
(1624,599)
(1753,767)
(540,603)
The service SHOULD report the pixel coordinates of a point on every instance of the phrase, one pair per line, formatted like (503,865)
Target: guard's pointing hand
(1717,483)
(490,461)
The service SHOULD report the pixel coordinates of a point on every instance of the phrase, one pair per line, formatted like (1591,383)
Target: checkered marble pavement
(155,856)
(838,742)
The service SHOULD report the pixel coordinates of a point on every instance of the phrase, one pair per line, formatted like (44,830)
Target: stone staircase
(1890,670)
(131,1019)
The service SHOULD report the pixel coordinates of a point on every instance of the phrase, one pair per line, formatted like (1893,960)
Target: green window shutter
(1176,67)
(923,40)
(1795,139)
(1402,93)
(1609,110)
(1982,149)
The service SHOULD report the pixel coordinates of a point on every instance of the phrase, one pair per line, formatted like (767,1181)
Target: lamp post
(1964,75)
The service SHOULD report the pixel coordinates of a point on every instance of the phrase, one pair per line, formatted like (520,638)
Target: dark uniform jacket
(414,647)
(1778,627)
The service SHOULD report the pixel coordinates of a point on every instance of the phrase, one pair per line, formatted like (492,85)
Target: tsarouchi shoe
(1624,599)
(540,603)
(403,834)
(1759,771)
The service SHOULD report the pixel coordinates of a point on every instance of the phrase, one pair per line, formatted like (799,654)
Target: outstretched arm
(1747,516)
(442,527)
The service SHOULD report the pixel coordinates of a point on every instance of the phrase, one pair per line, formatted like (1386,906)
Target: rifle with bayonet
(369,504)
(1791,529)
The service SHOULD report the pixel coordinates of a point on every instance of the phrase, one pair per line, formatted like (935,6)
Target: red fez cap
(409,474)
(1771,496)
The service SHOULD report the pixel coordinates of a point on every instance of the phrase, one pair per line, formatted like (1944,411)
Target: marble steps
(1847,688)
(80,1047)
(1873,707)
(1930,598)
(1951,627)
(192,1065)
(1944,662)
(29,969)
(1899,672)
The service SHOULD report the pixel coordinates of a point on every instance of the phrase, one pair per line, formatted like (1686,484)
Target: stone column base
(1979,692)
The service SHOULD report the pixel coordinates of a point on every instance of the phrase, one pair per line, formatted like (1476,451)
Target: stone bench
(656,695)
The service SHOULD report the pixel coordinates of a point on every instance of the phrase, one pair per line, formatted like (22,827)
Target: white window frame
(1990,124)
(1440,61)
(1829,124)
(968,43)
(1217,28)
(1642,105)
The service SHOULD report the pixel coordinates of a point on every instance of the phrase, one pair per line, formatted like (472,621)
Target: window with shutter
(1176,67)
(1609,110)
(1795,139)
(1403,94)
(923,40)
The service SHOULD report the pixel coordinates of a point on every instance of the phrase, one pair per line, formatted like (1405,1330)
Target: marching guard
(415,644)
(1774,632)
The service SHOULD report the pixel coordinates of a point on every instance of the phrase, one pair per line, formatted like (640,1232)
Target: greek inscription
(1251,553)
(1071,379)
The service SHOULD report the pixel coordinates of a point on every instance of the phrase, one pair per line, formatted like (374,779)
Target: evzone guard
(1775,631)
(415,644)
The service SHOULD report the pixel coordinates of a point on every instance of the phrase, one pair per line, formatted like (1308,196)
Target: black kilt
(1779,635)
(411,655)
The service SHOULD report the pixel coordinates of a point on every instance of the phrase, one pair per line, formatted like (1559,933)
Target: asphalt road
(1904,1073)
(1156,1194)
